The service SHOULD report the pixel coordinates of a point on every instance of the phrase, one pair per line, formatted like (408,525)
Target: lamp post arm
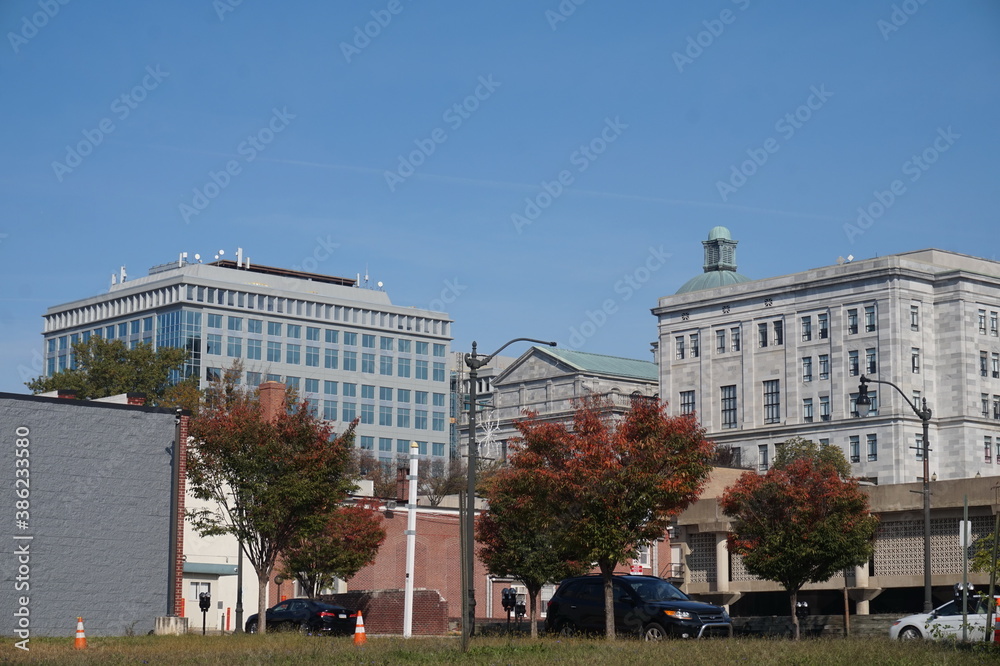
(924,414)
(474,360)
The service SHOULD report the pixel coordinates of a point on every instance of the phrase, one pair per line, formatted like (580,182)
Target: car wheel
(654,632)
(252,627)
(566,629)
(909,634)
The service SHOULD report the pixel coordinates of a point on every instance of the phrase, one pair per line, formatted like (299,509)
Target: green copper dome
(720,263)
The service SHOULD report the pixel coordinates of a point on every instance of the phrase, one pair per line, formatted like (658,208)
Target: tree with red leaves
(349,541)
(518,534)
(270,479)
(801,522)
(613,484)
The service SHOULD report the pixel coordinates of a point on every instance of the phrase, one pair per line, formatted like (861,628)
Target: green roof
(605,365)
(711,280)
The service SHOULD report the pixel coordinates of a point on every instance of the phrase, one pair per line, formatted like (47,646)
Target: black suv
(644,605)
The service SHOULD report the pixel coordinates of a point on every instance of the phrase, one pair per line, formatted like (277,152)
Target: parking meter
(519,609)
(204,601)
(507,598)
(802,609)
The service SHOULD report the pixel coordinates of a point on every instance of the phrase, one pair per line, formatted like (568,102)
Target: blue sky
(518,163)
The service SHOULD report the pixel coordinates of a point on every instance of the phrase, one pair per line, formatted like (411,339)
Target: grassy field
(295,649)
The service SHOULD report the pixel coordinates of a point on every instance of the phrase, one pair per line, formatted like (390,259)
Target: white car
(944,622)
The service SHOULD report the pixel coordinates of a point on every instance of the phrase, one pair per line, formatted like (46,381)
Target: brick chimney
(402,485)
(272,399)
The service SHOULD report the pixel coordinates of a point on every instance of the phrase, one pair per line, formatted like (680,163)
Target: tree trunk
(794,597)
(532,611)
(607,572)
(262,579)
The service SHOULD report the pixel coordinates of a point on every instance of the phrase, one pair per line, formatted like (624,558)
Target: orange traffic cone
(81,639)
(359,631)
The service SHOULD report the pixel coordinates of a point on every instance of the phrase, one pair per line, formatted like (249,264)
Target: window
(720,341)
(312,333)
(312,356)
(852,363)
(679,347)
(403,417)
(213,344)
(982,322)
(996,406)
(254,325)
(807,368)
(438,399)
(253,379)
(420,371)
(824,366)
(200,588)
(420,397)
(824,325)
(807,410)
(729,406)
(402,446)
(995,365)
(422,348)
(824,408)
(331,358)
(870,361)
(915,361)
(420,419)
(987,448)
(437,421)
(762,458)
(332,336)
(983,370)
(235,323)
(807,329)
(368,363)
(402,395)
(367,441)
(438,449)
(349,411)
(687,402)
(234,347)
(779,332)
(292,382)
(914,317)
(439,349)
(438,371)
(213,374)
(367,414)
(734,336)
(293,354)
(403,346)
(329,387)
(761,335)
(695,348)
(350,339)
(872,445)
(852,321)
(772,401)
(215,321)
(985,404)
(368,340)
(253,349)
(384,343)
(993,323)
(368,391)
(403,367)
(274,351)
(274,328)
(385,365)
(855,445)
(294,331)
(869,318)
(350,389)
(385,444)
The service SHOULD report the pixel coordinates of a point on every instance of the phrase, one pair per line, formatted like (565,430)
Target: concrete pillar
(861,580)
(721,563)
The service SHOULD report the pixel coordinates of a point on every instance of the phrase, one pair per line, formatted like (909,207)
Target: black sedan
(307,616)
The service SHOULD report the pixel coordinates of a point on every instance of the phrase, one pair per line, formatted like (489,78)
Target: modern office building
(760,361)
(347,349)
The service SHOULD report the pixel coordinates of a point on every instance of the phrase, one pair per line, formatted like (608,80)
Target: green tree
(617,482)
(348,541)
(108,367)
(802,521)
(519,534)
(271,479)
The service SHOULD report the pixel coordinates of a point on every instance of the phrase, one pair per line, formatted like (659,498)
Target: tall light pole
(474,361)
(924,412)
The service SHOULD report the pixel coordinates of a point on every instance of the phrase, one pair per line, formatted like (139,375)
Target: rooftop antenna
(239,256)
(181,258)
(840,261)
(246,263)
(114,279)
(197,257)
(221,252)
(121,275)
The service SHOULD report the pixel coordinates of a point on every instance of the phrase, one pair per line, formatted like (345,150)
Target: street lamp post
(474,361)
(924,412)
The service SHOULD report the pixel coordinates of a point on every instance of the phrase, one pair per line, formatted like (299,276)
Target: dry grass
(295,649)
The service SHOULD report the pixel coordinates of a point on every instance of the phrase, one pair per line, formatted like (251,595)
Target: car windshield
(657,590)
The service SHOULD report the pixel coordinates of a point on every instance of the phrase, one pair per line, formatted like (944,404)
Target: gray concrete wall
(96,526)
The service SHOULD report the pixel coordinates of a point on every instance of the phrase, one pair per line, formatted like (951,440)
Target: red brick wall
(382,611)
(181,495)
